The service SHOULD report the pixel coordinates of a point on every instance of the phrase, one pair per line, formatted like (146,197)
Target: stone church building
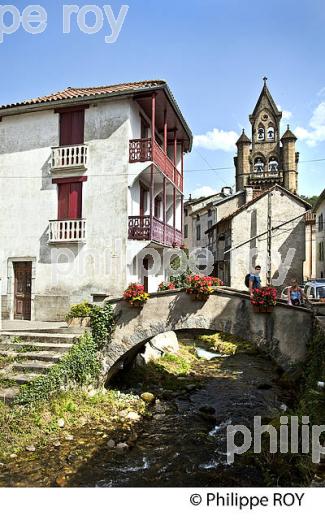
(269,226)
(267,158)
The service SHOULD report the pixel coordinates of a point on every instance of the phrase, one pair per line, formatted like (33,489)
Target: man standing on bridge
(254,280)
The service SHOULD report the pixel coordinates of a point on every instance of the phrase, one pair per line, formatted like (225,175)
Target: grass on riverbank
(225,343)
(165,372)
(38,425)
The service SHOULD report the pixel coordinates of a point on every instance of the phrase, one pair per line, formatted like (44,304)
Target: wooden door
(145,277)
(70,201)
(23,290)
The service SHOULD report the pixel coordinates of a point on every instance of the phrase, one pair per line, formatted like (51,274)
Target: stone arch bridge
(284,333)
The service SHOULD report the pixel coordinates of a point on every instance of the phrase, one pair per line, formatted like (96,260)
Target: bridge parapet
(283,334)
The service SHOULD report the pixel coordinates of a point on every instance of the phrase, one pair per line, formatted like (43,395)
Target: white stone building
(240,240)
(203,213)
(90,178)
(319,210)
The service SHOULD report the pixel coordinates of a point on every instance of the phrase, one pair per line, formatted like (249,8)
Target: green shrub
(79,310)
(79,367)
(101,324)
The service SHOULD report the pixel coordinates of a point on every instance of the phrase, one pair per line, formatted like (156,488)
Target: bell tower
(266,159)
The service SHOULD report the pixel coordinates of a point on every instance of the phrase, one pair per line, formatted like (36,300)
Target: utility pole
(269,239)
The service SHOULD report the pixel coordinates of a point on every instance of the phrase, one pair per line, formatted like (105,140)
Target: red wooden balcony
(141,150)
(142,228)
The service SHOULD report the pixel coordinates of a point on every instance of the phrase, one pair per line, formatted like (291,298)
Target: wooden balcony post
(153,119)
(152,184)
(175,156)
(165,133)
(182,215)
(174,212)
(164,208)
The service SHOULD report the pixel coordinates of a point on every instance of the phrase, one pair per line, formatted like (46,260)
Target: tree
(312,199)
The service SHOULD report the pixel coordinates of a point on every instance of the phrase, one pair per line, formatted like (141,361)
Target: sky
(213,53)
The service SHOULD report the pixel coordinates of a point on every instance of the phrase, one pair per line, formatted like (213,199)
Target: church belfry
(266,159)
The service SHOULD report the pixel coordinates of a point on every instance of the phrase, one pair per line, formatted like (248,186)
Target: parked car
(315,289)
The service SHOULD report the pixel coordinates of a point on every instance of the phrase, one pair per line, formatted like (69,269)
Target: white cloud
(286,114)
(203,191)
(316,133)
(217,140)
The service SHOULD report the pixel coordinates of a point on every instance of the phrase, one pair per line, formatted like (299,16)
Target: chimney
(249,193)
(226,190)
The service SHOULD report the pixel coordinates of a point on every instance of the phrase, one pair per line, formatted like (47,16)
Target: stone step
(32,366)
(8,395)
(37,356)
(48,347)
(19,378)
(37,337)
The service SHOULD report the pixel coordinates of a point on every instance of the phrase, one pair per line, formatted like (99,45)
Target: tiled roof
(252,201)
(288,134)
(85,92)
(243,138)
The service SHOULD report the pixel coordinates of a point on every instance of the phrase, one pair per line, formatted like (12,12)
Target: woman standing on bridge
(295,294)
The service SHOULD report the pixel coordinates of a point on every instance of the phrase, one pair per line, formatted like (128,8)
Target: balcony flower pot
(135,295)
(137,304)
(201,297)
(262,309)
(263,299)
(200,287)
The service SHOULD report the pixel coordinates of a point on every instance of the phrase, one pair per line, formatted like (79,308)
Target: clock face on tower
(265,117)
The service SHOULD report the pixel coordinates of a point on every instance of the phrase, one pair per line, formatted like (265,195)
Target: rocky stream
(180,440)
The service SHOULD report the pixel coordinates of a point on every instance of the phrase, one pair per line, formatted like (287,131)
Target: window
(144,128)
(143,200)
(273,164)
(321,222)
(258,165)
(270,133)
(198,232)
(72,127)
(320,292)
(210,224)
(158,207)
(209,212)
(197,217)
(321,252)
(185,231)
(185,212)
(261,133)
(70,200)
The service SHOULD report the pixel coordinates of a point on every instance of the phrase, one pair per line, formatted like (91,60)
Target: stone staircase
(26,355)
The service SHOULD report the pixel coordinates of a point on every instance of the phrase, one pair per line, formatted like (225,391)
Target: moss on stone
(226,343)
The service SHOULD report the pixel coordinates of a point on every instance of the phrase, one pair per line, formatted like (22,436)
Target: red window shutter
(75,202)
(63,202)
(72,127)
(70,201)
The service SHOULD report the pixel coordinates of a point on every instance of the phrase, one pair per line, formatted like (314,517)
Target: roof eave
(44,105)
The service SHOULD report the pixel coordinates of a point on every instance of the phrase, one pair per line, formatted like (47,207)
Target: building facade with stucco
(90,180)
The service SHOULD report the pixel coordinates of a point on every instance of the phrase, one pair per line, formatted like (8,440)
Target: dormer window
(273,164)
(258,165)
(270,133)
(261,133)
